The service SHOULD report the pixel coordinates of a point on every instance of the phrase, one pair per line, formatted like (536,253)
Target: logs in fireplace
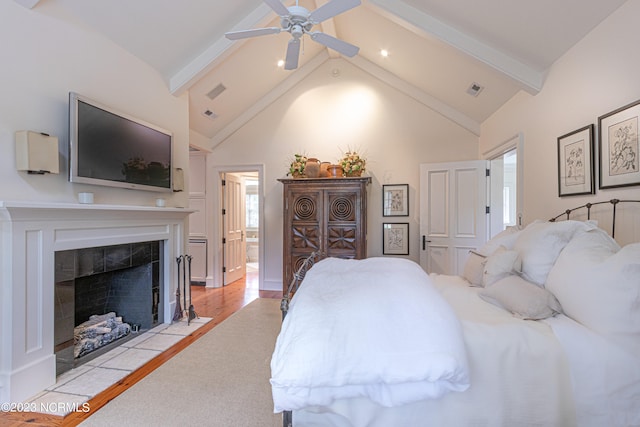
(98,331)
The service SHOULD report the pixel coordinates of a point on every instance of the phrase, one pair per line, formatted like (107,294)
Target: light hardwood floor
(218,303)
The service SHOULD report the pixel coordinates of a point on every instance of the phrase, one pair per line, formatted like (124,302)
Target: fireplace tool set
(189,311)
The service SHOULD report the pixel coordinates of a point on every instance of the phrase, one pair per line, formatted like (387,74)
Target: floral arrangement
(352,164)
(297,165)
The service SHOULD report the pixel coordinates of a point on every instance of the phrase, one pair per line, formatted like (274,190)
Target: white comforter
(518,373)
(606,378)
(373,328)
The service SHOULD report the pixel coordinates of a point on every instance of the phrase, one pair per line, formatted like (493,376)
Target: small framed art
(620,147)
(395,238)
(395,200)
(575,162)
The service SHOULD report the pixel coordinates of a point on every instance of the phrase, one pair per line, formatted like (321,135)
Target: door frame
(515,142)
(234,206)
(217,220)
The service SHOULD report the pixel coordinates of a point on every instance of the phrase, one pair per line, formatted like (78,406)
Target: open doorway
(240,228)
(252,214)
(505,193)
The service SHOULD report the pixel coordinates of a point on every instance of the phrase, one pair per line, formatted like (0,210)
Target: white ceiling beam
(273,95)
(421,23)
(30,4)
(419,95)
(217,51)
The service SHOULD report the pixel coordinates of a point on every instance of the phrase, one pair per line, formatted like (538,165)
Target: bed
(542,329)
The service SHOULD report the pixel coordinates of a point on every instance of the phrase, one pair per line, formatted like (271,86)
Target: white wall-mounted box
(37,152)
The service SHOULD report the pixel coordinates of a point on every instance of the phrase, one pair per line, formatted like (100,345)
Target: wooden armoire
(326,215)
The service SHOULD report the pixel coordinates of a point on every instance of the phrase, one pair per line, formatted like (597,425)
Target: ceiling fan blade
(293,52)
(243,34)
(343,47)
(331,9)
(277,7)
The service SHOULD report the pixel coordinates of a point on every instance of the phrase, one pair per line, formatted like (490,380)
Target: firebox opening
(104,296)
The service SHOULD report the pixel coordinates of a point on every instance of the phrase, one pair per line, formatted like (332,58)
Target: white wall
(598,75)
(323,116)
(45,54)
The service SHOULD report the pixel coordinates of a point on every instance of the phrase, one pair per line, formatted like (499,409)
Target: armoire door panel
(342,238)
(305,237)
(306,206)
(342,207)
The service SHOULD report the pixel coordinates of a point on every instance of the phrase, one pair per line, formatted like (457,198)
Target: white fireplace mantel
(30,234)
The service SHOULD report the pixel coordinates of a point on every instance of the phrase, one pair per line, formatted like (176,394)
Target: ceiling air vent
(209,114)
(213,93)
(474,89)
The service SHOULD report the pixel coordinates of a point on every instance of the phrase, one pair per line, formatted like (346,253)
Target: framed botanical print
(620,147)
(575,162)
(395,238)
(395,200)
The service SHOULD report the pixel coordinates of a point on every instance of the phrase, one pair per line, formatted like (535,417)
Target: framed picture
(395,200)
(620,147)
(395,238)
(575,162)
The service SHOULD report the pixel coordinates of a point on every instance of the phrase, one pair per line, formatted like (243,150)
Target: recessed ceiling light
(281,63)
(384,53)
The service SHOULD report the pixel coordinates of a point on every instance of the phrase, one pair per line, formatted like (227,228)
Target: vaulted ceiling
(437,49)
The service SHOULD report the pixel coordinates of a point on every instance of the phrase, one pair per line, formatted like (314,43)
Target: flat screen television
(107,147)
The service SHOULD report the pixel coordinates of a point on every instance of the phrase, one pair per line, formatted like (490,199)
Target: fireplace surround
(121,282)
(31,234)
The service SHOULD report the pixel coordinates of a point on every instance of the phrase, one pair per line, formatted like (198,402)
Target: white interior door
(234,229)
(453,214)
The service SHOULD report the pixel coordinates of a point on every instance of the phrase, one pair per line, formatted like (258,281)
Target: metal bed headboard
(588,206)
(297,279)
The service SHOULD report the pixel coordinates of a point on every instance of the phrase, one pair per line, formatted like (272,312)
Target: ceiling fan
(298,21)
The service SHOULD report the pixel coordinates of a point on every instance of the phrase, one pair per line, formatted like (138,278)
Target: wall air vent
(209,114)
(474,89)
(213,93)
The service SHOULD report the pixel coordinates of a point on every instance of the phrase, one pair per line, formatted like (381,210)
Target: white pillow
(523,299)
(540,243)
(506,238)
(598,285)
(499,264)
(473,268)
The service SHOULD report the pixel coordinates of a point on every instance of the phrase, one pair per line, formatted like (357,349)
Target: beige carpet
(222,379)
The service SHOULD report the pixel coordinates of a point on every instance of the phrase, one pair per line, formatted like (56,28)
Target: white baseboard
(271,285)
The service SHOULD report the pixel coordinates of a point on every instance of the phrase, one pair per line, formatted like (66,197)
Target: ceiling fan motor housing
(298,21)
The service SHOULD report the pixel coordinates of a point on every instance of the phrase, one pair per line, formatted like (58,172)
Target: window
(252,204)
